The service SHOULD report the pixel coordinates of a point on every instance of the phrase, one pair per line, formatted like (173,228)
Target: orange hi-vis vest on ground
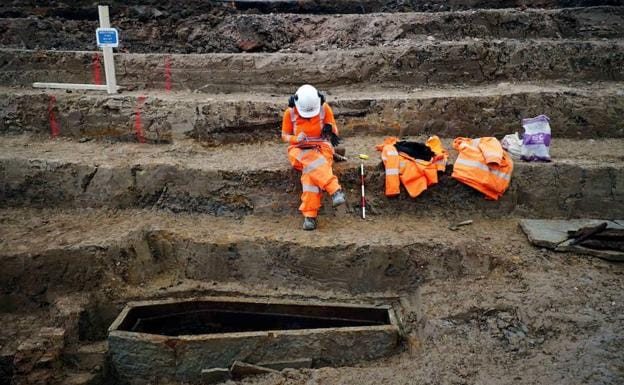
(441,155)
(415,174)
(314,157)
(483,165)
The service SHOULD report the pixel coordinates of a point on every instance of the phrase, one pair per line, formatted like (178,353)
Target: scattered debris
(458,225)
(585,233)
(598,238)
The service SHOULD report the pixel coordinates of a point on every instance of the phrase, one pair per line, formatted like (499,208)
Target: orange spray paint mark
(54,128)
(97,79)
(137,119)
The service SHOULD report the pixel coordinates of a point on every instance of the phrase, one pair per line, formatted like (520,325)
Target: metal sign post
(107,38)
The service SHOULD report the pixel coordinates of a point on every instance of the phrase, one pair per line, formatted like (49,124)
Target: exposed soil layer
(584,180)
(172,10)
(204,248)
(427,63)
(487,293)
(575,110)
(234,32)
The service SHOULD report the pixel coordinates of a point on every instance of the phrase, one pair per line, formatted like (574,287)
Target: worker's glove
(327,133)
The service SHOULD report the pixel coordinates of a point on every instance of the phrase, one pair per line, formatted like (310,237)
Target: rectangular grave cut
(175,339)
(204,317)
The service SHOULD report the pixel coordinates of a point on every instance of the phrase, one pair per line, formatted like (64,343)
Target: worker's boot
(309,223)
(338,198)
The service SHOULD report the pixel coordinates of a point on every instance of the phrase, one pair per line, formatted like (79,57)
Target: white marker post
(107,38)
(111,39)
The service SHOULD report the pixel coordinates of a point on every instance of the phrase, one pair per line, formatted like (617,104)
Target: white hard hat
(308,101)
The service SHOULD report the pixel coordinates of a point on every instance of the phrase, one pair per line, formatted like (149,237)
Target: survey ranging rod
(363,202)
(342,158)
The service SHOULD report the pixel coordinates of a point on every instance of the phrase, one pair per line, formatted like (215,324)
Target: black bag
(416,150)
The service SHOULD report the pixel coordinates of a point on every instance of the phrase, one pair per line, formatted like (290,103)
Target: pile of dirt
(81,9)
(145,30)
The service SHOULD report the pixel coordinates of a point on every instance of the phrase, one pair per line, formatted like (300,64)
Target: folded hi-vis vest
(483,165)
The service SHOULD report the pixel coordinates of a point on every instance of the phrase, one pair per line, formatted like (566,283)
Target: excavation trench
(162,337)
(87,284)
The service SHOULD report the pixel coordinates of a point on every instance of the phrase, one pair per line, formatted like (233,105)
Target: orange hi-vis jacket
(483,165)
(314,157)
(293,125)
(415,174)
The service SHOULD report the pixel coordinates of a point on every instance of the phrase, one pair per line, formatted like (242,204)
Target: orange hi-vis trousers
(314,160)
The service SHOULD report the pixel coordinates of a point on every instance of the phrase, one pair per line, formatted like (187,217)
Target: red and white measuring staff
(363,202)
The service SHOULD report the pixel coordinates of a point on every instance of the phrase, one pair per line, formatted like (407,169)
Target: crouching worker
(309,127)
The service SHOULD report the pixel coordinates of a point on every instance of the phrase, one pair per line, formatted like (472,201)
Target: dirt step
(576,111)
(416,63)
(584,179)
(291,32)
(103,251)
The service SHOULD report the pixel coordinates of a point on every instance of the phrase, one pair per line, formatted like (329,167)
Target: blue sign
(107,37)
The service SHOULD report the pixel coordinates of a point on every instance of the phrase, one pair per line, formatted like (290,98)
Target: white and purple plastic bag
(536,139)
